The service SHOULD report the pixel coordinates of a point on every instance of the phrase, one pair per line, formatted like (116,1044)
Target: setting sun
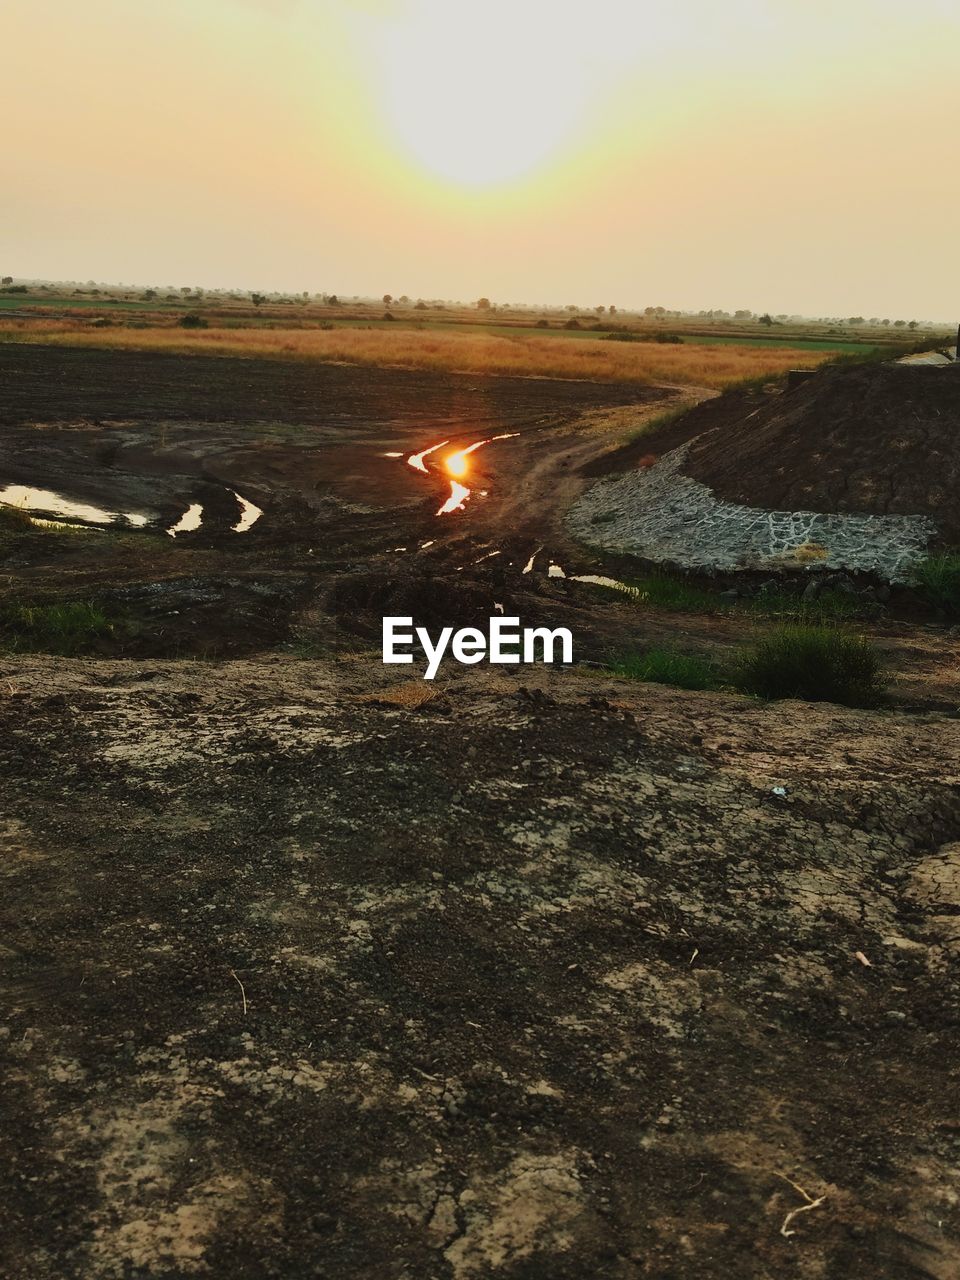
(473,132)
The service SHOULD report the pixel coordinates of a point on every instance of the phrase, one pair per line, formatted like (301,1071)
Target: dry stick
(242,992)
(804,1208)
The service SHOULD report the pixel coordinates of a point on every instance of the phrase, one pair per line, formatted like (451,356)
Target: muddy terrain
(324,453)
(313,969)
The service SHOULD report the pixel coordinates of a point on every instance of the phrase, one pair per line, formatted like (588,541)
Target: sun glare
(470,128)
(488,94)
(456,464)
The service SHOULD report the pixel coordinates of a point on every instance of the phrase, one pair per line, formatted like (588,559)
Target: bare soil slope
(878,438)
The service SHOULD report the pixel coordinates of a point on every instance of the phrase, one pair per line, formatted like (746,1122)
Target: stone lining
(665,516)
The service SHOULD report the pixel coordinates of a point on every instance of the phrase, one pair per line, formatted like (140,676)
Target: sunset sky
(790,155)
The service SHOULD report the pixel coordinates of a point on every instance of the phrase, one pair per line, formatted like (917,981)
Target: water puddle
(54,504)
(249,514)
(598,580)
(456,462)
(593,579)
(456,465)
(416,460)
(488,556)
(189,521)
(458,495)
(391,455)
(424,545)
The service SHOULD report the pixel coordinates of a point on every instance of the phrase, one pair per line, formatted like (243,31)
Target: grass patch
(811,663)
(657,421)
(533,353)
(677,593)
(17,528)
(666,592)
(816,664)
(69,628)
(829,606)
(14,519)
(937,578)
(666,666)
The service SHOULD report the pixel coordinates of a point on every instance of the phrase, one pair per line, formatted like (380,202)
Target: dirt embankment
(882,439)
(526,983)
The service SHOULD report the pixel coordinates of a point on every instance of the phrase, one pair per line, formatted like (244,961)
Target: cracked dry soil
(538,979)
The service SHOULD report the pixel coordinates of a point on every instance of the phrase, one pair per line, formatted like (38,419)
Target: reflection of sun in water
(456,464)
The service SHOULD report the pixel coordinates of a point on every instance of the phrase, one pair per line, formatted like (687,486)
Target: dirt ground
(535,979)
(878,438)
(310,969)
(308,444)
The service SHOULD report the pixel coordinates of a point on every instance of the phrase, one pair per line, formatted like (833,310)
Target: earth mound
(881,439)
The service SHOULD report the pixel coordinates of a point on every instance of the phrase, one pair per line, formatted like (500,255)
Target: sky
(795,156)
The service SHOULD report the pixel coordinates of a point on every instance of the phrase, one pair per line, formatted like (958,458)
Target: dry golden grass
(480,353)
(410,695)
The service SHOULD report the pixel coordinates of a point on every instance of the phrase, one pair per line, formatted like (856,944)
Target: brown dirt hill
(882,439)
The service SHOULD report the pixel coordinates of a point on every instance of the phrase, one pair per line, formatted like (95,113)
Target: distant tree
(404,299)
(766,319)
(149,295)
(543,323)
(912,324)
(572,323)
(333,301)
(612,311)
(185,289)
(856,320)
(388,315)
(899,324)
(885,322)
(743,314)
(192,320)
(387,299)
(7,280)
(600,310)
(258,299)
(483,304)
(571,307)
